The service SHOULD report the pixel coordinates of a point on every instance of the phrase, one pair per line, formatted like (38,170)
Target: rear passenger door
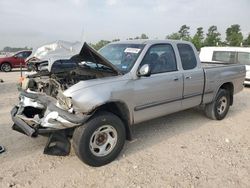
(193,76)
(19,59)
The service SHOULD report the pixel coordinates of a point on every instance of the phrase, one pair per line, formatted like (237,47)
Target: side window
(244,58)
(188,59)
(161,58)
(227,57)
(20,55)
(27,54)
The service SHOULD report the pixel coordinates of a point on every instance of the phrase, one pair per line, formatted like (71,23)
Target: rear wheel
(218,109)
(6,67)
(100,140)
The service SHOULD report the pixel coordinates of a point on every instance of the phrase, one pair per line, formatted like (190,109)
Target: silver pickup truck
(95,97)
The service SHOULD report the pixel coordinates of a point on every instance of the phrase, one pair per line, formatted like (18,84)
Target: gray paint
(159,94)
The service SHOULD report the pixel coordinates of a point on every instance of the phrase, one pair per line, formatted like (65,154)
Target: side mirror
(144,70)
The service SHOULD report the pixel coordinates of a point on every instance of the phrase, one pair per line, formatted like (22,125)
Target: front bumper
(38,114)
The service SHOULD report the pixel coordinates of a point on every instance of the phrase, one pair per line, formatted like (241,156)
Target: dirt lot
(180,150)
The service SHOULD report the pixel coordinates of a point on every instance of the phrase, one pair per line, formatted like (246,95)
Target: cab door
(161,92)
(193,76)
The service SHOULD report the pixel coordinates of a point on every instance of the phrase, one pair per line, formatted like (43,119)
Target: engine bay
(52,83)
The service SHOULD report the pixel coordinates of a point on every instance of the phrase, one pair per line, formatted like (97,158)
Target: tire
(218,109)
(6,67)
(100,140)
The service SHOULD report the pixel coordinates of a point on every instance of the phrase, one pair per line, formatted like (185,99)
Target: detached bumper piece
(2,149)
(58,144)
(37,114)
(21,126)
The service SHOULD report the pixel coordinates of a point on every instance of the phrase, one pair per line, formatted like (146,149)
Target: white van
(228,55)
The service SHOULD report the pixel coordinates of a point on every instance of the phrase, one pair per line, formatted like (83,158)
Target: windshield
(123,56)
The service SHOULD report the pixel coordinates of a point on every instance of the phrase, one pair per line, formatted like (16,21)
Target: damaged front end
(39,114)
(44,110)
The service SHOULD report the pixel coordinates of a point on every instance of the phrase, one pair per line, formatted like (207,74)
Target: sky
(35,22)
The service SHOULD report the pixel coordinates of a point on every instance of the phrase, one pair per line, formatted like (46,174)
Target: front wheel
(218,109)
(100,140)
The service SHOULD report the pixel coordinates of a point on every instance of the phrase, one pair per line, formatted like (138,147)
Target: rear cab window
(188,59)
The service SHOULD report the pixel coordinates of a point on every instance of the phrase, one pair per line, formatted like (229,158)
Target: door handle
(176,79)
(188,77)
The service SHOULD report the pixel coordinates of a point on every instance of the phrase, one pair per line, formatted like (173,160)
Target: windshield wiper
(105,68)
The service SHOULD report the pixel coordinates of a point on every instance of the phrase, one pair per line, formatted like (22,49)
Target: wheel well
(229,87)
(6,62)
(121,110)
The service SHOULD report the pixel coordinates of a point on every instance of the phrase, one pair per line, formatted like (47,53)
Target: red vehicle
(14,61)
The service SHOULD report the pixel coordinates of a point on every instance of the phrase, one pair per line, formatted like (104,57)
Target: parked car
(14,61)
(97,97)
(233,55)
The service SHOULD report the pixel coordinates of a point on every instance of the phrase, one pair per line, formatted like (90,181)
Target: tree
(144,36)
(115,40)
(11,49)
(247,40)
(198,38)
(213,37)
(184,33)
(233,35)
(100,44)
(174,36)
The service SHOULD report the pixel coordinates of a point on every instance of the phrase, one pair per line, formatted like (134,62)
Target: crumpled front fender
(39,112)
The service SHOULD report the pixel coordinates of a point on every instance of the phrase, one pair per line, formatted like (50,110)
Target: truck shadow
(150,133)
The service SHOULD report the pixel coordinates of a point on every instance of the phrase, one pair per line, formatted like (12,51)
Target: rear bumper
(38,114)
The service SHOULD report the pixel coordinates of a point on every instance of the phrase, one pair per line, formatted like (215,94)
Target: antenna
(21,74)
(82,35)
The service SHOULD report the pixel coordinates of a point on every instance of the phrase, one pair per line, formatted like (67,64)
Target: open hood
(87,53)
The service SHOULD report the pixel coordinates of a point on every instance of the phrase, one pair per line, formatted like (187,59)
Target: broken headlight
(68,102)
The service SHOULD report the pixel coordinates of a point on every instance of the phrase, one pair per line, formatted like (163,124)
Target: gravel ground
(179,150)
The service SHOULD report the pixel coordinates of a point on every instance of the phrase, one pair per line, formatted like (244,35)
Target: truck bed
(218,73)
(215,64)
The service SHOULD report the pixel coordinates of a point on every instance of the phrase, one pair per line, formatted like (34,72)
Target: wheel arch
(6,62)
(121,110)
(229,87)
